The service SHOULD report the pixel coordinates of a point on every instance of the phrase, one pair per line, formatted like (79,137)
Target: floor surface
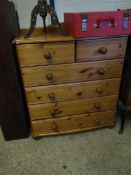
(99,152)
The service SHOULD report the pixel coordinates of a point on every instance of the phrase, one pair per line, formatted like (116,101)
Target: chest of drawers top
(40,37)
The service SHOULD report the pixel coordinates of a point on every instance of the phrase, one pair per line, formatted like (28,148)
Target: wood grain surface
(68,73)
(71,91)
(40,37)
(71,124)
(102,49)
(60,109)
(45,53)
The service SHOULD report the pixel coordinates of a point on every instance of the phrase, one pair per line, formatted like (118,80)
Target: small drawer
(70,73)
(45,54)
(101,49)
(71,124)
(54,110)
(63,92)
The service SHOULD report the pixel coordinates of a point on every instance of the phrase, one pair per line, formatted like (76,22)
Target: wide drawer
(101,49)
(67,73)
(49,110)
(45,54)
(71,124)
(63,92)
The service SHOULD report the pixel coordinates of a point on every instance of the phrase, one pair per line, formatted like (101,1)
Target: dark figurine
(42,8)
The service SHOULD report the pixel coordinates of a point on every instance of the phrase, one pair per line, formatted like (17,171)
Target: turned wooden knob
(51,96)
(97,105)
(101,71)
(99,90)
(48,55)
(103,50)
(50,77)
(54,127)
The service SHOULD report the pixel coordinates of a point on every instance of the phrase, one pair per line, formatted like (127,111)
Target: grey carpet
(99,152)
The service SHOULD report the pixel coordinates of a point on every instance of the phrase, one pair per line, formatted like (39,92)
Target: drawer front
(53,110)
(63,92)
(89,50)
(70,124)
(45,54)
(68,73)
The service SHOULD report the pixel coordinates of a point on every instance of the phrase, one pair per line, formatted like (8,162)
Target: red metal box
(93,24)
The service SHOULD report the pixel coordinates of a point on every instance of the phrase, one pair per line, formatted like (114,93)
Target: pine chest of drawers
(70,85)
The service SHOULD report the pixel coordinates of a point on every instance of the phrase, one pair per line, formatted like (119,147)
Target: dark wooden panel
(13,114)
(125,92)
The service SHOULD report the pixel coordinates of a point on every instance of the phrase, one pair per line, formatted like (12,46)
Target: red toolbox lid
(104,23)
(92,16)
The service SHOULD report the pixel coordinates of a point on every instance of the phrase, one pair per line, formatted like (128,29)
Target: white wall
(24,8)
(89,5)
